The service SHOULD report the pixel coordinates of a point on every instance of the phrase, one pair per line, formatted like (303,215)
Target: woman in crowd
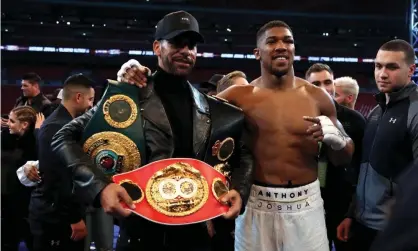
(18,145)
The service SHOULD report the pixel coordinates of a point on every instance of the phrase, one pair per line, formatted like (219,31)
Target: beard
(279,72)
(177,71)
(171,67)
(82,111)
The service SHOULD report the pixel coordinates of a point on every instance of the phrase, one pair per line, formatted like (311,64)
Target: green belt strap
(114,137)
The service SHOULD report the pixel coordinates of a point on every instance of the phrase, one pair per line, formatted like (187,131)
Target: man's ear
(350,98)
(411,70)
(156,47)
(257,53)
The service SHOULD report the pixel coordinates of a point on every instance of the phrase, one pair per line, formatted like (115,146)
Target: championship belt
(114,137)
(176,191)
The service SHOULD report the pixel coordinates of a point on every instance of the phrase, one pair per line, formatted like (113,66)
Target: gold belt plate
(177,190)
(113,152)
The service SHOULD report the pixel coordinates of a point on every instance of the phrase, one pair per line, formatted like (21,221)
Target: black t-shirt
(341,179)
(175,94)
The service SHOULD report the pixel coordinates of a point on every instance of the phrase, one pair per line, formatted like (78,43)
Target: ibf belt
(175,191)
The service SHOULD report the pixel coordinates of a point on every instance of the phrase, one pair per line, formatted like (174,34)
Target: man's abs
(285,160)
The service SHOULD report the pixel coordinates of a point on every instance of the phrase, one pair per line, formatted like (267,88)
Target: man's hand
(79,231)
(111,198)
(343,229)
(323,130)
(4,122)
(234,199)
(32,173)
(134,73)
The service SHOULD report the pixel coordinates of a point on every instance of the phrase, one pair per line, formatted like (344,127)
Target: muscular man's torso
(282,148)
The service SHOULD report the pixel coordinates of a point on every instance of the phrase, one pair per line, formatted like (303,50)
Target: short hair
(32,78)
(400,45)
(76,81)
(228,80)
(349,85)
(270,25)
(25,114)
(318,67)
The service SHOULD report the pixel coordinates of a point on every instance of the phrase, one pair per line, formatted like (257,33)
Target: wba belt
(114,136)
(176,191)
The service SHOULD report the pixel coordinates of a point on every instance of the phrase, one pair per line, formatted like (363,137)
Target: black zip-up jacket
(390,144)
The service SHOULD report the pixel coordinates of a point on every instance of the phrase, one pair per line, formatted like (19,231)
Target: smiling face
(276,50)
(178,55)
(15,125)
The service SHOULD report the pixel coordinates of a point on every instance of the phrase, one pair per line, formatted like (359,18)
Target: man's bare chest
(281,113)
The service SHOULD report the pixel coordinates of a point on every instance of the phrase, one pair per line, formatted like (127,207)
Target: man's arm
(401,232)
(352,207)
(89,180)
(71,205)
(327,108)
(413,128)
(229,94)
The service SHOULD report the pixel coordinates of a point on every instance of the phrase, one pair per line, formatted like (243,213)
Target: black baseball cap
(215,79)
(176,23)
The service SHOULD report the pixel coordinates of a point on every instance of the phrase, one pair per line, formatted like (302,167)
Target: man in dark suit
(31,96)
(178,121)
(56,217)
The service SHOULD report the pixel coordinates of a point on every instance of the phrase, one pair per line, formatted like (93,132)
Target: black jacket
(52,201)
(159,142)
(40,103)
(401,231)
(340,180)
(390,145)
(15,152)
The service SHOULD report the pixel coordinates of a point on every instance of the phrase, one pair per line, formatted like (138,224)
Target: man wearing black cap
(179,122)
(209,87)
(55,215)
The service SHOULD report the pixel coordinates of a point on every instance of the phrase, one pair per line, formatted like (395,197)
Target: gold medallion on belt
(224,149)
(120,111)
(177,190)
(113,152)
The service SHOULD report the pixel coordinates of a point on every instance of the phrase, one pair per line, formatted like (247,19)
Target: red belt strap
(176,191)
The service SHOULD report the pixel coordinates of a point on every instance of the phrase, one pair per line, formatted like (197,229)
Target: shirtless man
(288,117)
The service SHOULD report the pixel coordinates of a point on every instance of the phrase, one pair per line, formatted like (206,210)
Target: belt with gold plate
(176,191)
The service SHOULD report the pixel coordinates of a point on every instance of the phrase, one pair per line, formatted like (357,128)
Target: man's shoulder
(222,102)
(45,100)
(313,90)
(353,114)
(52,123)
(237,91)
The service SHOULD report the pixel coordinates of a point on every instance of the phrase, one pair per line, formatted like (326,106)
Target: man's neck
(29,99)
(69,108)
(271,81)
